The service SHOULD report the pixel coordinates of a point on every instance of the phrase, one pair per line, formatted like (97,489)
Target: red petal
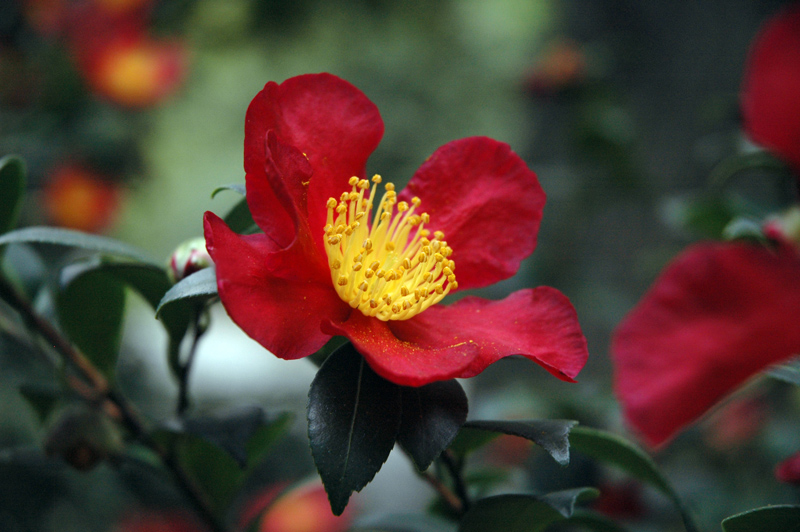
(326,118)
(715,317)
(462,339)
(770,105)
(486,201)
(272,295)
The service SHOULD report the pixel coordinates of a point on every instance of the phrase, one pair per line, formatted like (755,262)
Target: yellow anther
(389,256)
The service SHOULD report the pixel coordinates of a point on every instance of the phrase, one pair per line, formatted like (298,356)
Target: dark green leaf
(42,399)
(264,437)
(211,467)
(232,430)
(403,523)
(70,238)
(612,449)
(470,440)
(90,310)
(788,372)
(199,286)
(596,522)
(783,518)
(12,189)
(551,434)
(353,420)
(432,416)
(522,513)
(238,218)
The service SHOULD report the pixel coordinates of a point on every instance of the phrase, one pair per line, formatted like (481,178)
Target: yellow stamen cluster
(386,266)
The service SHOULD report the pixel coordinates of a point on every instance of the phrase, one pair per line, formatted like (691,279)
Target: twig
(99,390)
(450,498)
(458,481)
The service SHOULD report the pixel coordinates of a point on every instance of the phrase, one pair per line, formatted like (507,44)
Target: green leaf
(264,437)
(783,518)
(236,187)
(353,420)
(403,523)
(470,440)
(233,430)
(43,399)
(90,310)
(199,286)
(70,238)
(614,450)
(522,513)
(211,467)
(788,372)
(594,521)
(551,434)
(432,417)
(12,190)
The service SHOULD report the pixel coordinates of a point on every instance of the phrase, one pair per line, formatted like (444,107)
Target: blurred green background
(623,108)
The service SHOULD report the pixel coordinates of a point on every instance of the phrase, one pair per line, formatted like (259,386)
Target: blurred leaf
(42,399)
(470,440)
(614,450)
(783,518)
(522,513)
(432,417)
(149,280)
(403,523)
(264,437)
(238,218)
(236,187)
(235,429)
(353,420)
(199,286)
(211,467)
(708,216)
(12,190)
(744,229)
(594,521)
(788,372)
(90,309)
(551,434)
(68,237)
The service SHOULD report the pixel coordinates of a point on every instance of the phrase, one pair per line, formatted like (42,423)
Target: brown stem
(98,389)
(450,498)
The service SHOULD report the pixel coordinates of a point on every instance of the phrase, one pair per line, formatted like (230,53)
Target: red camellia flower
(327,265)
(770,102)
(719,314)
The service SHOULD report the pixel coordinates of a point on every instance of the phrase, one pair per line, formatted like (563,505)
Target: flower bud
(83,437)
(785,226)
(188,258)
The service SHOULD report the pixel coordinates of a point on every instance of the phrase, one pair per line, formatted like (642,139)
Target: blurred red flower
(79,198)
(158,521)
(303,508)
(716,316)
(771,85)
(325,267)
(788,471)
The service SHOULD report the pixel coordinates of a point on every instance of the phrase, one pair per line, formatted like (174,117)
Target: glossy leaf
(432,416)
(353,420)
(785,518)
(198,286)
(71,238)
(788,372)
(470,440)
(593,521)
(551,434)
(522,513)
(90,310)
(12,190)
(235,187)
(617,451)
(264,437)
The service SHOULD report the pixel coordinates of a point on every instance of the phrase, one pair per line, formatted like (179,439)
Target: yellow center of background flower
(386,266)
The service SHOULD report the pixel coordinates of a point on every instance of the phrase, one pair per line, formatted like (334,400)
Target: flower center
(385,266)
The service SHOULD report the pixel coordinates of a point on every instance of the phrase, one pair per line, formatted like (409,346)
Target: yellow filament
(385,265)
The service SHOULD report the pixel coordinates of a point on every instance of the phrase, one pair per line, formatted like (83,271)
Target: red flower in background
(717,315)
(324,267)
(79,198)
(303,508)
(771,85)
